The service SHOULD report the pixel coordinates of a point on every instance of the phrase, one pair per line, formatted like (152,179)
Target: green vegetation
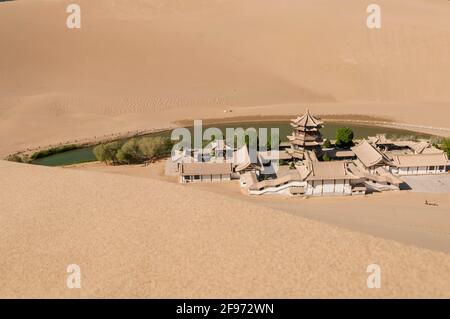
(153,148)
(129,152)
(17,158)
(445,146)
(53,151)
(326,158)
(442,144)
(327,144)
(134,150)
(344,137)
(107,152)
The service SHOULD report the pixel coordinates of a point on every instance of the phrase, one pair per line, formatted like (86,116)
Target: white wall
(208,178)
(328,186)
(317,188)
(422,170)
(331,187)
(339,186)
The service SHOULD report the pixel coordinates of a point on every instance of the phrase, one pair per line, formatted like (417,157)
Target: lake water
(83,155)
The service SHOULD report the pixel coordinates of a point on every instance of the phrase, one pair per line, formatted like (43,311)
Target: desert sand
(147,63)
(138,237)
(143,64)
(401,216)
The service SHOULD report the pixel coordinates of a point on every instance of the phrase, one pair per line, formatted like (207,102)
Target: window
(431,168)
(196,177)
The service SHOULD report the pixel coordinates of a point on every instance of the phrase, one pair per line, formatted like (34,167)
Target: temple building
(308,179)
(420,164)
(369,157)
(375,164)
(306,139)
(205,172)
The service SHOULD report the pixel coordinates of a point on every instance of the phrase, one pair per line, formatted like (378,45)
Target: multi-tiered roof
(306,135)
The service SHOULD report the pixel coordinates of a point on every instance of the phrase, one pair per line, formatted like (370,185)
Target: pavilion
(306,137)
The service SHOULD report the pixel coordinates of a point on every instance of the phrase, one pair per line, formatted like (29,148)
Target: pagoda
(306,139)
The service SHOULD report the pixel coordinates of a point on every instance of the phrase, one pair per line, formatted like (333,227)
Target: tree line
(133,151)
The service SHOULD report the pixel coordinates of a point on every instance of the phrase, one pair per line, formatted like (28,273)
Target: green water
(80,155)
(329,131)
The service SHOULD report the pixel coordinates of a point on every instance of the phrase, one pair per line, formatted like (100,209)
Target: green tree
(344,137)
(100,152)
(107,152)
(155,147)
(130,152)
(326,158)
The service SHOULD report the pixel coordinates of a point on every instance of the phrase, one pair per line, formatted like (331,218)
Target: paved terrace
(428,183)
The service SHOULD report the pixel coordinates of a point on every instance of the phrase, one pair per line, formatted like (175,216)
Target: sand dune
(135,237)
(142,64)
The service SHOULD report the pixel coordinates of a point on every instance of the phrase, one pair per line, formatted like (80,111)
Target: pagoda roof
(305,128)
(304,143)
(307,120)
(304,138)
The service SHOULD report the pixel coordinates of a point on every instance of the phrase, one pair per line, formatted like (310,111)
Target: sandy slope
(141,64)
(138,237)
(400,216)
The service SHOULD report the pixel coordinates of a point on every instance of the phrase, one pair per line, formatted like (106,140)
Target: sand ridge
(145,64)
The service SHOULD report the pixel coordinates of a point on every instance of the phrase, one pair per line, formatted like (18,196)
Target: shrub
(107,152)
(134,150)
(130,152)
(15,158)
(155,147)
(326,158)
(445,146)
(344,137)
(327,144)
